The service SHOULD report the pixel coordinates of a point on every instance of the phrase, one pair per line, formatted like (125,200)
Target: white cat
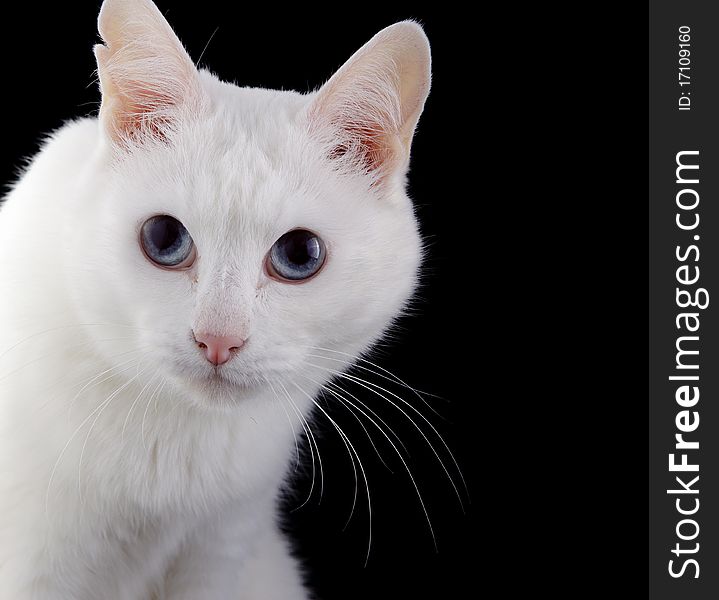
(178,279)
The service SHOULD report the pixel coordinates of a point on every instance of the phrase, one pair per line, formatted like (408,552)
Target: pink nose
(218,348)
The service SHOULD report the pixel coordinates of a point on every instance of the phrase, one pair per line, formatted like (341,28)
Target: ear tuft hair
(146,76)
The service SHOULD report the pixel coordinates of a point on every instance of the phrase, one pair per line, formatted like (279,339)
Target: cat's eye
(296,256)
(167,243)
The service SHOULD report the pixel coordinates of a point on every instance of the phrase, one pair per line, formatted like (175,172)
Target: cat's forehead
(257,119)
(235,187)
(246,167)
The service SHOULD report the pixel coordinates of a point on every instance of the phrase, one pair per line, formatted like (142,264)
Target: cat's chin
(215,389)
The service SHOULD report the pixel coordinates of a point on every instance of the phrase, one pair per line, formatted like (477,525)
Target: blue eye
(167,243)
(296,256)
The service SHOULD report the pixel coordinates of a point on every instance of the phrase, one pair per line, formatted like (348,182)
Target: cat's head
(240,230)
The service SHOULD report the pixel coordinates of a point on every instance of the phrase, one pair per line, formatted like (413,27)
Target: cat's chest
(168,457)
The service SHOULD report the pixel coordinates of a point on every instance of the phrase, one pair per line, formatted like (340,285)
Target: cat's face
(239,169)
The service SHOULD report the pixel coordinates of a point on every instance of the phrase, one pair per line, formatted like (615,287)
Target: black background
(48,71)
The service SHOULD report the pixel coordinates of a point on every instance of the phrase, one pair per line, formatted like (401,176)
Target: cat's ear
(146,76)
(370,107)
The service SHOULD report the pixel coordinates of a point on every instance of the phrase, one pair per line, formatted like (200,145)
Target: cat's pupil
(301,248)
(164,233)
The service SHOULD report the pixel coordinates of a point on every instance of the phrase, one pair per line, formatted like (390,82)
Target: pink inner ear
(146,113)
(367,143)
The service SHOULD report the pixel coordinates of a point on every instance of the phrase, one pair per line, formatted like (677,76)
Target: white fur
(147,481)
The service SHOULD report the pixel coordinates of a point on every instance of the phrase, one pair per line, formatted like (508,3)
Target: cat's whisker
(352,459)
(63,327)
(42,357)
(351,450)
(289,421)
(144,416)
(156,395)
(52,386)
(174,406)
(362,425)
(134,403)
(374,413)
(64,450)
(69,374)
(106,403)
(364,383)
(110,372)
(393,379)
(197,64)
(312,441)
(404,463)
(389,375)
(370,387)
